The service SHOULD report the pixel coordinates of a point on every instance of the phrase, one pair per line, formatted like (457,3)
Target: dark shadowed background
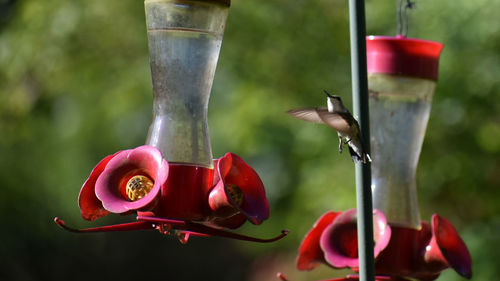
(75,86)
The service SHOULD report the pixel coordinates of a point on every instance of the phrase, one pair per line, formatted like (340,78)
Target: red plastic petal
(310,252)
(91,208)
(145,160)
(216,177)
(452,246)
(233,170)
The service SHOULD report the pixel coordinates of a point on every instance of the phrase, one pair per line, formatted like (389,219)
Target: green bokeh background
(75,86)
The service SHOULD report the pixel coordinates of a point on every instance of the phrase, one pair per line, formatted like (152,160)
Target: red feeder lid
(403,56)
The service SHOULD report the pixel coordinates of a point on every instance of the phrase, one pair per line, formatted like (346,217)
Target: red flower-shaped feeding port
(238,193)
(140,181)
(333,240)
(400,253)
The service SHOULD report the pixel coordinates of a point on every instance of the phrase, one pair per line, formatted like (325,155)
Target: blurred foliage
(75,86)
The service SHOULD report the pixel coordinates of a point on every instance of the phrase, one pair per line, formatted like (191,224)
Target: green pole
(363,171)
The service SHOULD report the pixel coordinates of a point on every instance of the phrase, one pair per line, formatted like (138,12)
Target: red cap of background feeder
(403,56)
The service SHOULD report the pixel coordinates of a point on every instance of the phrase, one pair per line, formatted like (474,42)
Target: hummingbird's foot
(341,143)
(347,141)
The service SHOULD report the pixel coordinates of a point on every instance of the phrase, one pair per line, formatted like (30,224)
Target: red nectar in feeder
(185,190)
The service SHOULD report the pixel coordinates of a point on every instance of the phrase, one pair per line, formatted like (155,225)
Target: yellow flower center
(235,193)
(138,187)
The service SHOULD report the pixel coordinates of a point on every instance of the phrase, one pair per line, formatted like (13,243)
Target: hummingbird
(338,117)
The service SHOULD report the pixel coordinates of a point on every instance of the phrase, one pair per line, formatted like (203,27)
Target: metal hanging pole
(360,108)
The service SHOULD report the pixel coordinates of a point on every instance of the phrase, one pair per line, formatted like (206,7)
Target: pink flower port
(143,161)
(333,240)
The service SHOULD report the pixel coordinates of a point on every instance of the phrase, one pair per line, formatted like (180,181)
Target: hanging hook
(401,16)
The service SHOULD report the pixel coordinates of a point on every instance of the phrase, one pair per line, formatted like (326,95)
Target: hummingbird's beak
(328,94)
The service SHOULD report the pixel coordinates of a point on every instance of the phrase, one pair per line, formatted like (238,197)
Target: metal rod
(402,17)
(398,17)
(360,108)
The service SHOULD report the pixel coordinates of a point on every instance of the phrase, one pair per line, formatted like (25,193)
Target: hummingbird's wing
(309,114)
(338,121)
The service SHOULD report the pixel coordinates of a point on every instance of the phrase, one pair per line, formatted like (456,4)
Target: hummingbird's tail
(358,156)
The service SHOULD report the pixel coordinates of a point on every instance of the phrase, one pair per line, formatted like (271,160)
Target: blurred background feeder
(184,43)
(402,75)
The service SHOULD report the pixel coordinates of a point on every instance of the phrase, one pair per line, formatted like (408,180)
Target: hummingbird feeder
(401,74)
(172,183)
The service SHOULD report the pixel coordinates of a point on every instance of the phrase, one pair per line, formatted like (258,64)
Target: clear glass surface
(184,43)
(399,111)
